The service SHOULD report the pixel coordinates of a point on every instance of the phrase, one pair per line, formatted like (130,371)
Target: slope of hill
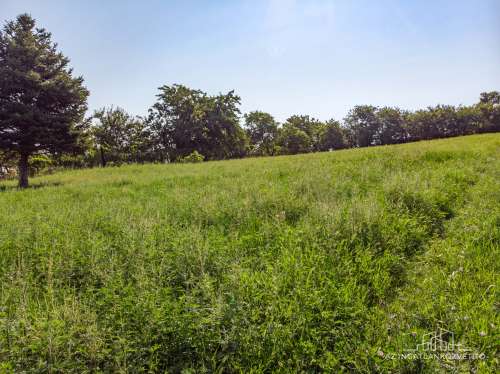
(320,262)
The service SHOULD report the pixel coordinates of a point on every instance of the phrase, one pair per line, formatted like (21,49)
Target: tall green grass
(320,262)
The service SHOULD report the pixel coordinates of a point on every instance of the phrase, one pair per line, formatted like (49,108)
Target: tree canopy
(184,120)
(41,103)
(262,131)
(118,136)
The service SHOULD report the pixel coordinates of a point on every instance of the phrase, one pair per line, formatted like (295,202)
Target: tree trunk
(23,171)
(103,160)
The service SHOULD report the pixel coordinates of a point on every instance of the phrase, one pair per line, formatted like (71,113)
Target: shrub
(193,157)
(38,163)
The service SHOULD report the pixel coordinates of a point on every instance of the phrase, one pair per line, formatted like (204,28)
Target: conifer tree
(41,103)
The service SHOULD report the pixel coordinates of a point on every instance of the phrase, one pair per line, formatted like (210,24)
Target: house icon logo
(439,345)
(441,340)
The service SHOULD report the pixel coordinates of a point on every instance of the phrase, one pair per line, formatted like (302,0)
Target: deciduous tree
(293,140)
(363,125)
(262,132)
(332,136)
(391,126)
(119,136)
(489,107)
(184,120)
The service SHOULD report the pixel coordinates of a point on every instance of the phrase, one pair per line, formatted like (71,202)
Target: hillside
(321,262)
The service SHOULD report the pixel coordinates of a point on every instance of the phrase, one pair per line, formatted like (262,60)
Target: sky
(284,57)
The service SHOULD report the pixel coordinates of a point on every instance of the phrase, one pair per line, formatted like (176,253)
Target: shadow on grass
(4,188)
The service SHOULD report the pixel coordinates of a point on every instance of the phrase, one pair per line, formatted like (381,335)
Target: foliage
(363,125)
(332,136)
(392,126)
(309,126)
(489,109)
(327,262)
(7,165)
(192,158)
(38,163)
(184,120)
(293,140)
(435,122)
(262,131)
(40,102)
(300,134)
(118,136)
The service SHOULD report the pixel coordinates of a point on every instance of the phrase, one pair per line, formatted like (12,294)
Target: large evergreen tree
(41,103)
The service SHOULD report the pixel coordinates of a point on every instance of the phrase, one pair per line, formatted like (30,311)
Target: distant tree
(184,120)
(391,126)
(119,137)
(422,126)
(262,131)
(468,120)
(293,140)
(436,122)
(363,126)
(489,109)
(332,136)
(176,108)
(41,104)
(446,121)
(225,138)
(7,164)
(310,126)
(492,97)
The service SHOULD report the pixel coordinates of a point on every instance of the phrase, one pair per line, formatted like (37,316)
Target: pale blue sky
(284,57)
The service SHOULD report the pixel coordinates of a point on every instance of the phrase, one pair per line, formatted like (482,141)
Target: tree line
(42,123)
(184,122)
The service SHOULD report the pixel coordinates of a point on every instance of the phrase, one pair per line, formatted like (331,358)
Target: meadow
(326,262)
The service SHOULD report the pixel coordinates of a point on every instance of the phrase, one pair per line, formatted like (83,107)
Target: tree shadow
(35,186)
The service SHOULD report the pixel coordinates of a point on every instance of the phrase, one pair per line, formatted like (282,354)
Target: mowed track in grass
(319,262)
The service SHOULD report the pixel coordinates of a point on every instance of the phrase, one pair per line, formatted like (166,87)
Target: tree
(294,140)
(436,122)
(41,103)
(310,126)
(119,136)
(492,97)
(225,137)
(6,164)
(363,126)
(468,120)
(391,126)
(184,120)
(262,131)
(332,136)
(422,125)
(489,109)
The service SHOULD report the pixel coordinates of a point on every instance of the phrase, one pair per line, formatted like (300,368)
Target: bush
(194,157)
(38,163)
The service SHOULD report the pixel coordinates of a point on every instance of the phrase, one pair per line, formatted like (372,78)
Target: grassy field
(334,262)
